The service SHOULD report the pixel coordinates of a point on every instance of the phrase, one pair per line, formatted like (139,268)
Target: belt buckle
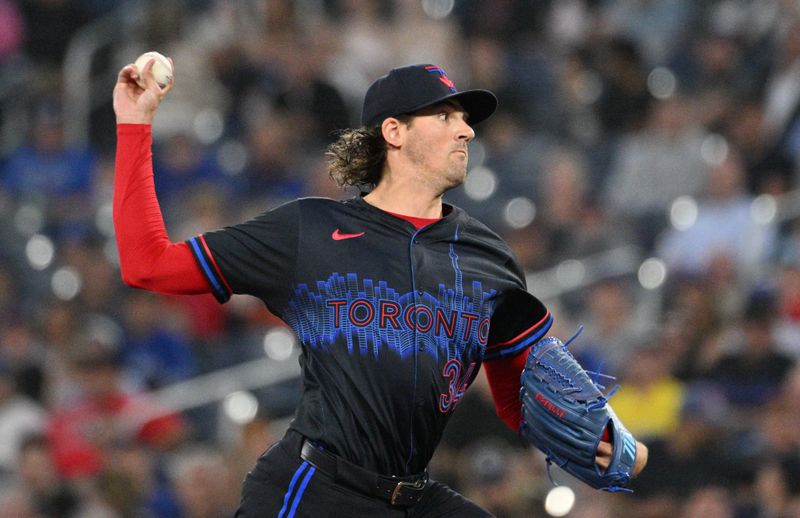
(418,485)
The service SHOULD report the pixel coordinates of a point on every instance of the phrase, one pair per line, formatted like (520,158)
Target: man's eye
(443,116)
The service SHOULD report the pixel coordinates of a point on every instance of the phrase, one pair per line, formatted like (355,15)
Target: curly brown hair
(357,156)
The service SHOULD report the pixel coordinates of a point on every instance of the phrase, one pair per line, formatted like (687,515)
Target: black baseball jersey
(394,322)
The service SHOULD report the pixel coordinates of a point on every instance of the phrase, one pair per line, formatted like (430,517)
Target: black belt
(399,491)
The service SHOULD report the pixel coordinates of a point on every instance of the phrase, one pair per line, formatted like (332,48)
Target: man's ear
(393,131)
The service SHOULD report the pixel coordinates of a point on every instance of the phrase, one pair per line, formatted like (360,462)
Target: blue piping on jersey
(205,265)
(523,344)
(416,349)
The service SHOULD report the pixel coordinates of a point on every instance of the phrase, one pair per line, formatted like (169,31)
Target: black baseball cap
(413,87)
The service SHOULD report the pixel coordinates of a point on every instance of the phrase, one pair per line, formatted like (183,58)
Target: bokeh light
(559,501)
(241,407)
(40,251)
(278,343)
(652,273)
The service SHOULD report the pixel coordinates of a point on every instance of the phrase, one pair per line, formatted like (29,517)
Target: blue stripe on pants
(289,492)
(300,491)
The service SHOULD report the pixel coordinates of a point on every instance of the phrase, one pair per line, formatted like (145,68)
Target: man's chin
(455,179)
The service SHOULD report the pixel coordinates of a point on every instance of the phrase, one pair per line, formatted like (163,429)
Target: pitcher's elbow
(133,277)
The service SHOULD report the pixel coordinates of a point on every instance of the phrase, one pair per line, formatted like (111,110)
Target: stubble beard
(456,174)
(440,179)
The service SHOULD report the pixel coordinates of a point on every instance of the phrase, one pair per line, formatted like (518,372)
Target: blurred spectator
(693,326)
(181,161)
(85,432)
(624,101)
(155,350)
(23,356)
(709,502)
(49,493)
(47,166)
(134,483)
(724,226)
(530,245)
(512,21)
(751,375)
(654,167)
(787,331)
(303,89)
(612,329)
(16,503)
(19,417)
(767,172)
(204,484)
(711,70)
(649,400)
(782,95)
(9,296)
(100,286)
(55,22)
(487,472)
(254,439)
(363,48)
(487,62)
(575,225)
(775,487)
(673,468)
(272,171)
(58,325)
(655,26)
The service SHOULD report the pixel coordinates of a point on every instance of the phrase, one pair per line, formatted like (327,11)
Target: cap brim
(479,104)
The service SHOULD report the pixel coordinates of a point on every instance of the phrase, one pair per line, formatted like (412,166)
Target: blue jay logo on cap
(442,77)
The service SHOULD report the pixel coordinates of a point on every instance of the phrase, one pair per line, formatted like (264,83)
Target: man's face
(436,144)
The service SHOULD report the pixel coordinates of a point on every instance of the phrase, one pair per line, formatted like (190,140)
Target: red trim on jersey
(147,258)
(214,262)
(417,222)
(503,375)
(522,334)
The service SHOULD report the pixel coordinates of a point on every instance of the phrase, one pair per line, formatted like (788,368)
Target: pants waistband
(398,491)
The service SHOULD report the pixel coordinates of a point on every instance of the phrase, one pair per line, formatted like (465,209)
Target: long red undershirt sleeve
(147,258)
(503,375)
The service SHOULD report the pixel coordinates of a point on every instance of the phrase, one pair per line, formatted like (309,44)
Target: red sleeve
(147,257)
(504,375)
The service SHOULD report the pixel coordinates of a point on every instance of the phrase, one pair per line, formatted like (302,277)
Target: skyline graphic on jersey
(368,316)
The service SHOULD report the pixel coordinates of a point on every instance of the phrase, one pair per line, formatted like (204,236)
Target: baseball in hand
(162,68)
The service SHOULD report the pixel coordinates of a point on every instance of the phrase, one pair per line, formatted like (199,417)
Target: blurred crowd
(672,126)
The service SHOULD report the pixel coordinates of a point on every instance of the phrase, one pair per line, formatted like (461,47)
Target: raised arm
(148,259)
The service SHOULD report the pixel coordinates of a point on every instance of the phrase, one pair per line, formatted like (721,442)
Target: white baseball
(162,68)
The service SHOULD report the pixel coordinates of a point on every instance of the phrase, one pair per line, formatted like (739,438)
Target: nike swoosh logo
(338,236)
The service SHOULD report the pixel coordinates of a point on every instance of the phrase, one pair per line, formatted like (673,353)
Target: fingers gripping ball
(162,68)
(565,414)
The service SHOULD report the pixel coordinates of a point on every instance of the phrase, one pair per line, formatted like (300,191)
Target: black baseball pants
(282,485)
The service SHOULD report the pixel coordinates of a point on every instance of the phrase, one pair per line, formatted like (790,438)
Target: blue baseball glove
(565,414)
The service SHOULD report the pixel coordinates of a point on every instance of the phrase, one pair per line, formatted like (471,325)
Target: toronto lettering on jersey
(367,315)
(416,317)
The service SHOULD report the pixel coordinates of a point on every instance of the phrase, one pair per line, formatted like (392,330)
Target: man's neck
(405,199)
